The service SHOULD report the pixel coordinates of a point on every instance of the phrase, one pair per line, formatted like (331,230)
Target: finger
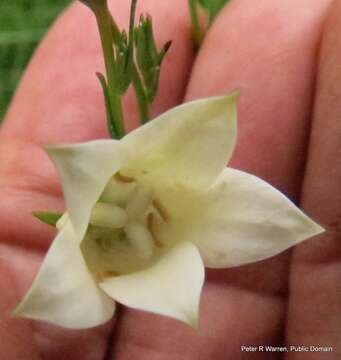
(22,339)
(274,115)
(315,301)
(17,341)
(272,63)
(29,183)
(275,104)
(60,99)
(274,112)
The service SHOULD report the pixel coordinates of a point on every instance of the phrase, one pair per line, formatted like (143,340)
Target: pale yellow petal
(85,169)
(189,144)
(242,219)
(170,287)
(64,292)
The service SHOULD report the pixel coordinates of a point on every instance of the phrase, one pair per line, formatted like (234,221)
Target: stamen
(101,276)
(124,178)
(161,210)
(139,202)
(110,273)
(117,192)
(141,239)
(150,222)
(108,215)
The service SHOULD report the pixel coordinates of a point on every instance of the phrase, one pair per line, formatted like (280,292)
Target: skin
(284,58)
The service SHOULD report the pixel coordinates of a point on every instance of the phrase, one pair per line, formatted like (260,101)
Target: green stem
(114,28)
(196,29)
(103,18)
(132,22)
(142,101)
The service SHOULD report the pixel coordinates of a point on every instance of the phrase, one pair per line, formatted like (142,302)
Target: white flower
(147,213)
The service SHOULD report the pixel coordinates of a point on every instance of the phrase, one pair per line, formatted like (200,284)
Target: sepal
(46,217)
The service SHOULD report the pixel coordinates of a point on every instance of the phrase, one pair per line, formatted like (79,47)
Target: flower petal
(85,169)
(245,220)
(171,287)
(190,144)
(239,220)
(64,292)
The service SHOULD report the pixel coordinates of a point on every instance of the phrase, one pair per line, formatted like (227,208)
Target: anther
(162,211)
(150,226)
(117,191)
(139,236)
(110,273)
(103,275)
(124,178)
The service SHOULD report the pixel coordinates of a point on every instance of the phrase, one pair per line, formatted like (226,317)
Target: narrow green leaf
(49,218)
(148,57)
(110,118)
(149,32)
(164,51)
(205,3)
(212,7)
(130,55)
(197,31)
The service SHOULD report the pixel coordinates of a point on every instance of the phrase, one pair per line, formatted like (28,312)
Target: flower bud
(148,57)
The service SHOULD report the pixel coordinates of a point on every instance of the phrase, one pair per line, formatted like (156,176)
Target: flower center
(127,213)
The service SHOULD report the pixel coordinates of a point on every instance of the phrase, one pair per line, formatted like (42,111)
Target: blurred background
(22,25)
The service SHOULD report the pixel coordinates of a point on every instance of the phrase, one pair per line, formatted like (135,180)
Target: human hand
(289,135)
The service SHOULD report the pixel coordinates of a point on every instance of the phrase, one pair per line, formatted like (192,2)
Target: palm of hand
(60,101)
